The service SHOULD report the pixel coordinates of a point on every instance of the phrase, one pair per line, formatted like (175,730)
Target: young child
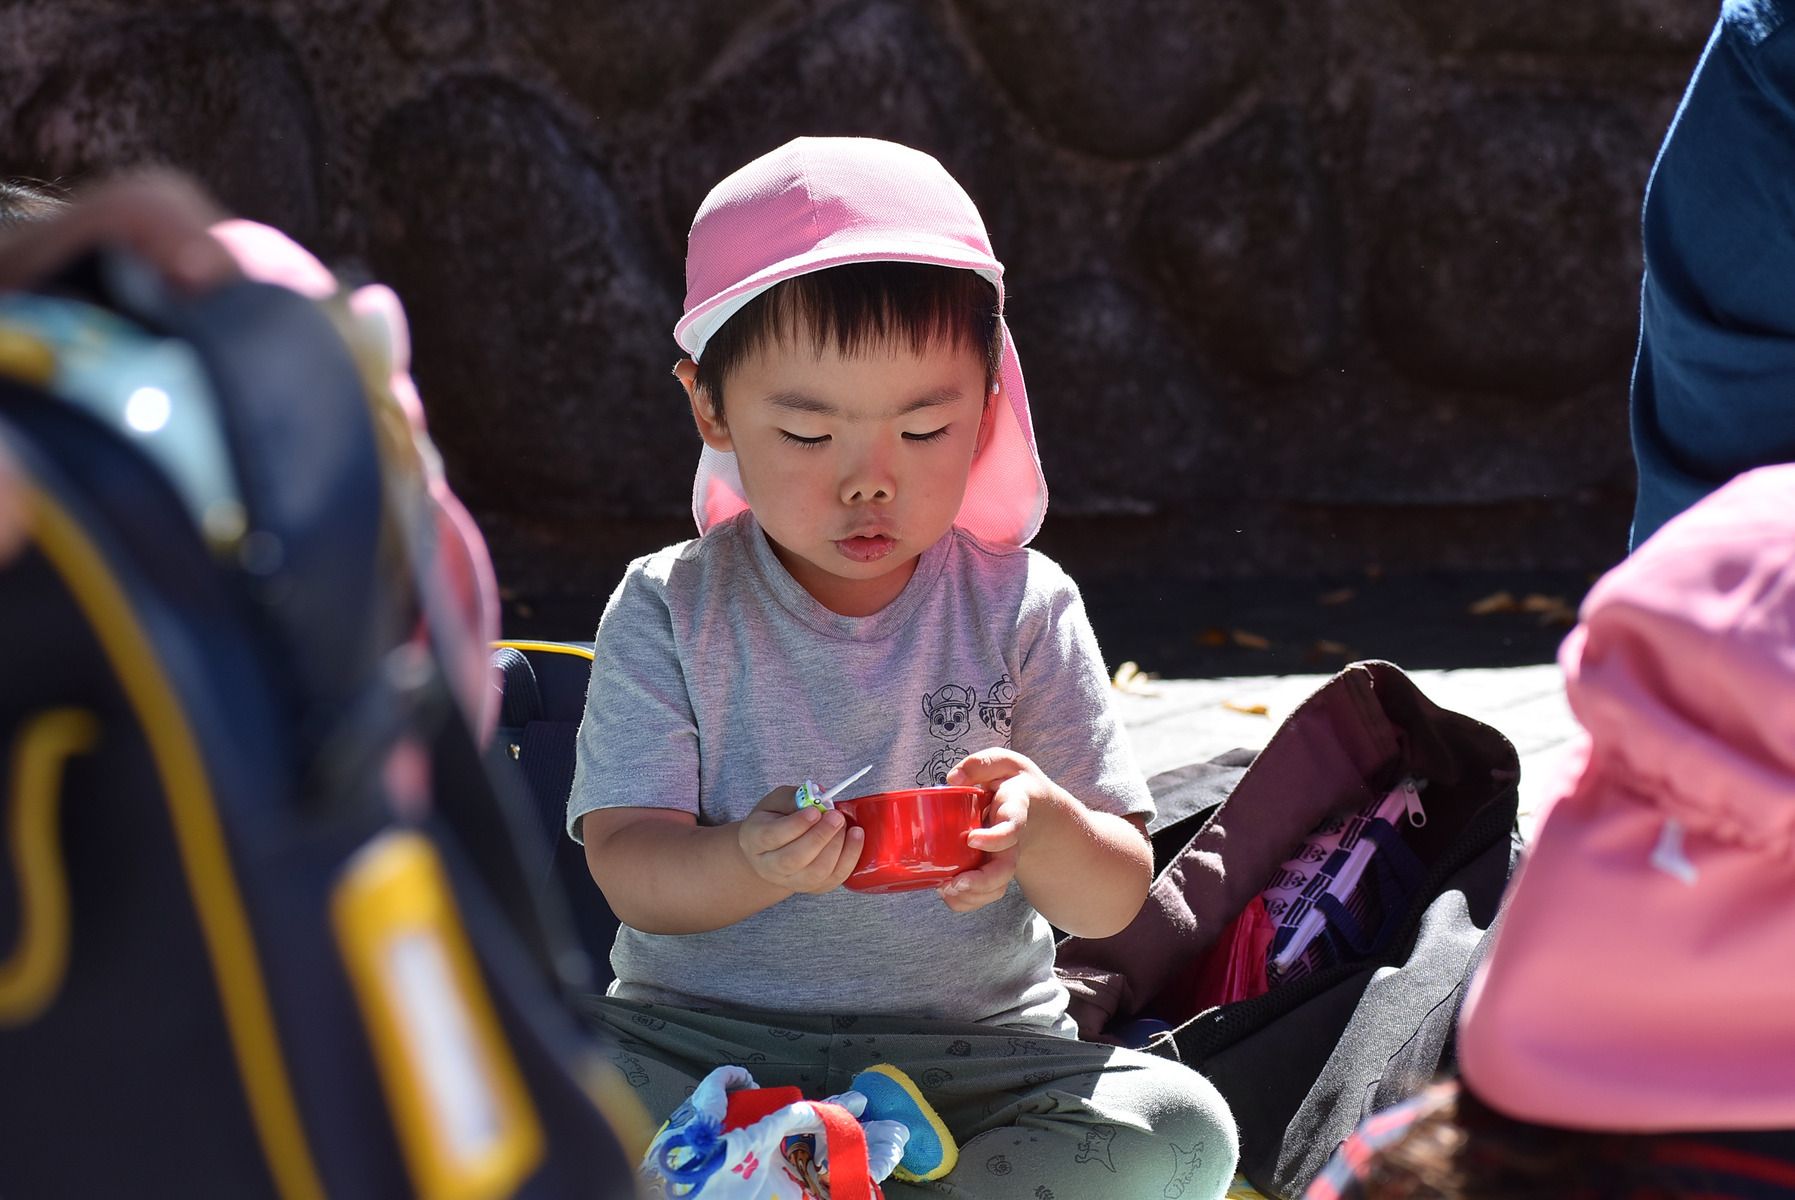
(1629,1033)
(861,595)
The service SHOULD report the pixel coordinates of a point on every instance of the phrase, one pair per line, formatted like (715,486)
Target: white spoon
(809,797)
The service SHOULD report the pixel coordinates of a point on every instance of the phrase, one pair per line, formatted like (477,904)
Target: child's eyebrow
(799,402)
(806,403)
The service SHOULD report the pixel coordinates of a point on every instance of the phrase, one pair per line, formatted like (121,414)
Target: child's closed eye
(794,440)
(934,436)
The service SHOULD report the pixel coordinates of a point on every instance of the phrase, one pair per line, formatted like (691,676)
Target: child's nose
(864,493)
(869,480)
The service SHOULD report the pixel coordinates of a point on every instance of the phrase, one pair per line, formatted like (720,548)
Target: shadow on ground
(1208,628)
(1424,620)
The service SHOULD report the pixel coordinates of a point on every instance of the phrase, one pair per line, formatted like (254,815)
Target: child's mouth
(867,548)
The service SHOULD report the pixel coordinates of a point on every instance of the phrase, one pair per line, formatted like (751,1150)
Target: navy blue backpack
(265,930)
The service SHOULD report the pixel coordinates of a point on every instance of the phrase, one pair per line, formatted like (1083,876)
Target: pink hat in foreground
(1643,976)
(821,202)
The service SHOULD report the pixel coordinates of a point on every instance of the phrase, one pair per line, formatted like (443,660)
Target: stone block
(1121,414)
(431,28)
(1297,286)
(1120,78)
(543,325)
(621,55)
(1244,242)
(1507,256)
(875,68)
(1589,27)
(222,96)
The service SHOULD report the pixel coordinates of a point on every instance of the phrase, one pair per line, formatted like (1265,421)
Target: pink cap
(1643,977)
(462,563)
(821,202)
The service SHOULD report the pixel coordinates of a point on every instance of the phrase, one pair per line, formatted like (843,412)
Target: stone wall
(1298,286)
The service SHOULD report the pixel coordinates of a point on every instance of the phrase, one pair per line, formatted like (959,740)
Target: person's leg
(1045,1118)
(1036,1117)
(663,1051)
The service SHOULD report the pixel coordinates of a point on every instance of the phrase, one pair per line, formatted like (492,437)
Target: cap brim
(693,330)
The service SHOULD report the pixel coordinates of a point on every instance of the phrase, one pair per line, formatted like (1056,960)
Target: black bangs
(857,306)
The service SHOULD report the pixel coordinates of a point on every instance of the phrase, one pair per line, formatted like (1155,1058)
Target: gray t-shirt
(717,678)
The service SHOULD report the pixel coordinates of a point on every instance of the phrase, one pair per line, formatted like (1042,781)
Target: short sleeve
(1066,720)
(638,740)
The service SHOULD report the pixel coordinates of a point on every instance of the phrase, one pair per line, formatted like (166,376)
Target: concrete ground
(1178,721)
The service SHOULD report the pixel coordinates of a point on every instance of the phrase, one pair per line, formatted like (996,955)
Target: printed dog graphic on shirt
(995,708)
(949,709)
(1184,1171)
(1095,1147)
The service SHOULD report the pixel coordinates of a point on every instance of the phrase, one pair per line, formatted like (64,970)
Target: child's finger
(1007,814)
(833,863)
(764,831)
(990,877)
(847,858)
(802,851)
(971,900)
(1000,836)
(981,885)
(986,767)
(779,800)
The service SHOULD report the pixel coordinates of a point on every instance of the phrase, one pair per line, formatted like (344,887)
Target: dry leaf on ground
(1552,610)
(1498,602)
(1131,679)
(1240,706)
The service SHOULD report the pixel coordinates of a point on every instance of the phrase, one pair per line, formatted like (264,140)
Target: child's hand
(799,849)
(161,215)
(1016,782)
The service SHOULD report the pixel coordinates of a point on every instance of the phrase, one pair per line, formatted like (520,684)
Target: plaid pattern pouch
(1337,899)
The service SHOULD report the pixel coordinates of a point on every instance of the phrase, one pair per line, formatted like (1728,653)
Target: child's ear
(711,426)
(987,418)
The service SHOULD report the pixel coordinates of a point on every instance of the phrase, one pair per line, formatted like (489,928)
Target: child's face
(853,465)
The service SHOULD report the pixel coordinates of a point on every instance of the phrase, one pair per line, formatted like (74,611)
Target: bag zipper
(1209,1033)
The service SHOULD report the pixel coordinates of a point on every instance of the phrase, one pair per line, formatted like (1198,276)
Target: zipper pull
(1668,855)
(1411,800)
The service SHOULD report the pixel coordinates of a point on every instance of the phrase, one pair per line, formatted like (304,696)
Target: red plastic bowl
(915,838)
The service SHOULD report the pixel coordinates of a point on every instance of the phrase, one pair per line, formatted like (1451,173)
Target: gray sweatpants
(1037,1117)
